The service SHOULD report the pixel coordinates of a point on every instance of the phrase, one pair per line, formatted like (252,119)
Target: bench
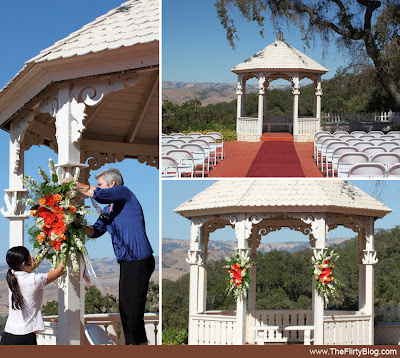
(261,330)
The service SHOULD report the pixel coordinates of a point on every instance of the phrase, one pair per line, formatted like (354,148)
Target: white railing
(281,318)
(110,322)
(308,125)
(247,125)
(387,330)
(212,329)
(347,329)
(357,117)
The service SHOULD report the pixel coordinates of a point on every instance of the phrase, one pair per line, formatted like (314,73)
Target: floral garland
(59,230)
(324,268)
(239,277)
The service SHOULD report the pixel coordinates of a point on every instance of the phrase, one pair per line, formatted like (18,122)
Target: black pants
(133,285)
(14,340)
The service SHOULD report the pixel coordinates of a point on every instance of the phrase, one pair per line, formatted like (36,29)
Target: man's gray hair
(111,174)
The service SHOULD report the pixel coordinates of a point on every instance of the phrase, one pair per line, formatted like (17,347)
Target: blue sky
(195,48)
(175,192)
(26,28)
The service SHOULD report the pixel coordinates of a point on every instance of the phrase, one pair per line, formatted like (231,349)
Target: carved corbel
(369,257)
(97,160)
(193,257)
(149,160)
(17,134)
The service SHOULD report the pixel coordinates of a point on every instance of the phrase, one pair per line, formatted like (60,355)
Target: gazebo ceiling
(123,42)
(274,196)
(277,57)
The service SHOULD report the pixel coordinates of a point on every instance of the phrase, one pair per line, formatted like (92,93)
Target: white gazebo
(255,208)
(93,98)
(278,60)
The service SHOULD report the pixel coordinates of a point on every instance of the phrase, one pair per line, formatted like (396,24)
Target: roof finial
(279,36)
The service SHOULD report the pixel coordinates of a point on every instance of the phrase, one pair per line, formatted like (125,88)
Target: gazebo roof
(266,196)
(279,56)
(125,38)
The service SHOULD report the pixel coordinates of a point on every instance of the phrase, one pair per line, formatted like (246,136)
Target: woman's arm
(85,189)
(55,274)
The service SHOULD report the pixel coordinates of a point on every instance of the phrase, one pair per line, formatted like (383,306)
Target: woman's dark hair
(15,257)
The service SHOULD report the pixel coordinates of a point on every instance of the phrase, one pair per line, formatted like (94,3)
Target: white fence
(308,126)
(357,117)
(387,330)
(110,322)
(209,329)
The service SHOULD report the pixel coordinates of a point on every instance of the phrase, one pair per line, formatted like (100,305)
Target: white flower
(68,217)
(51,167)
(243,273)
(40,223)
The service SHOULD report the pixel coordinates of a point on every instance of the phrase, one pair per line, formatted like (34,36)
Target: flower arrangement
(59,230)
(324,268)
(239,278)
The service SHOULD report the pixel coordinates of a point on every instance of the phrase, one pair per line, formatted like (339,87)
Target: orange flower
(42,201)
(72,209)
(57,197)
(232,267)
(332,278)
(34,212)
(317,277)
(231,281)
(333,266)
(41,238)
(319,266)
(62,237)
(56,245)
(321,280)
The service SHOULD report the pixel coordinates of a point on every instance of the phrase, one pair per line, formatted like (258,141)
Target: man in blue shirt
(124,221)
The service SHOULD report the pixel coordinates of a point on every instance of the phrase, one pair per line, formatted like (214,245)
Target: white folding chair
(372,150)
(165,139)
(324,145)
(393,132)
(97,336)
(339,133)
(394,171)
(167,147)
(177,142)
(387,159)
(195,134)
(319,143)
(177,134)
(366,137)
(206,147)
(362,145)
(219,138)
(169,167)
(389,145)
(347,160)
(199,157)
(367,170)
(357,134)
(184,159)
(376,141)
(212,143)
(352,141)
(376,134)
(329,149)
(316,139)
(395,150)
(337,153)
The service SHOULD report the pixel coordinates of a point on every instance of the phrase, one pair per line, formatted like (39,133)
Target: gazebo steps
(276,136)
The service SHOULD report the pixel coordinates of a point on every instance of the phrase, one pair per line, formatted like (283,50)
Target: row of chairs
(328,147)
(374,170)
(215,139)
(369,166)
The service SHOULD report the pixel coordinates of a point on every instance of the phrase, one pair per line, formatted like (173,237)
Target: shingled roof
(279,56)
(242,196)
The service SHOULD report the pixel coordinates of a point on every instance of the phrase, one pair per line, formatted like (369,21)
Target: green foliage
(153,299)
(174,337)
(369,31)
(50,308)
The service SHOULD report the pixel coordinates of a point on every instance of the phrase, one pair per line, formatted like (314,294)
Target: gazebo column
(317,102)
(319,231)
(242,231)
(15,209)
(251,306)
(71,297)
(194,260)
(261,93)
(240,97)
(367,275)
(296,92)
(202,293)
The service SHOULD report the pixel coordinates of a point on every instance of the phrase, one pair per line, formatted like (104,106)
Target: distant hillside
(174,253)
(207,93)
(107,271)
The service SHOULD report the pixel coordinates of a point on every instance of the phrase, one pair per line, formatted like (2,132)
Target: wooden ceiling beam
(128,149)
(140,114)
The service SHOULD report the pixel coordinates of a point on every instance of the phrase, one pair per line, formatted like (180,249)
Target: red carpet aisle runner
(276,159)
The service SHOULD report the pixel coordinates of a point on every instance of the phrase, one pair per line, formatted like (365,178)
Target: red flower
(50,201)
(56,245)
(59,227)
